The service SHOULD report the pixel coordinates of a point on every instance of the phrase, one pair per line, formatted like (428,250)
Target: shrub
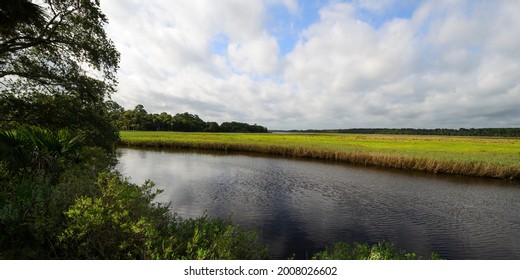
(363,251)
(123,222)
(117,224)
(42,172)
(204,238)
(26,228)
(30,150)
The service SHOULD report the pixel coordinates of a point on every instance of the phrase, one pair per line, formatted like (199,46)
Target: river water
(300,206)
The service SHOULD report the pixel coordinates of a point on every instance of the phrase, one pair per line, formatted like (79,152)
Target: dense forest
(498,132)
(139,119)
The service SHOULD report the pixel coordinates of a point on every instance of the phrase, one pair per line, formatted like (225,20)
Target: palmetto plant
(33,148)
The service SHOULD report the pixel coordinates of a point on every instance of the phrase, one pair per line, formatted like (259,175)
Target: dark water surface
(300,206)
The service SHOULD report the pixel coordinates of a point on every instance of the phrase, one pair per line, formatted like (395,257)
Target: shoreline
(318,150)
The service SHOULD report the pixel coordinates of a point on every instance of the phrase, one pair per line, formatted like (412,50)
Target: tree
(139,119)
(61,112)
(115,112)
(161,122)
(242,127)
(212,127)
(54,52)
(15,12)
(188,122)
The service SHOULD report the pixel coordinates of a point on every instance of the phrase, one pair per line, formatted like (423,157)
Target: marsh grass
(468,156)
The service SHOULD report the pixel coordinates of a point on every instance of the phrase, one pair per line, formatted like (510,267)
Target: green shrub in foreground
(117,224)
(32,205)
(124,223)
(363,251)
(211,239)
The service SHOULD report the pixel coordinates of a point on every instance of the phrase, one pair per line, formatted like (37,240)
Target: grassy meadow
(469,156)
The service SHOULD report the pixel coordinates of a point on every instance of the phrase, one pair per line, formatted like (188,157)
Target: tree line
(491,132)
(140,119)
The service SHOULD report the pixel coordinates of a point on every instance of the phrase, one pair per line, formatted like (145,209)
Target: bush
(124,223)
(118,224)
(42,173)
(28,222)
(31,150)
(216,239)
(362,251)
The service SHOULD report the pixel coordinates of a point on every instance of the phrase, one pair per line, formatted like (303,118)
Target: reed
(467,156)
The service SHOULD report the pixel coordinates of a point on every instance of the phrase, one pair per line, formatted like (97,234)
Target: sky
(289,64)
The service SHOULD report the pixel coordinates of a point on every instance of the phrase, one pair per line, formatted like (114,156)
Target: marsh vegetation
(468,156)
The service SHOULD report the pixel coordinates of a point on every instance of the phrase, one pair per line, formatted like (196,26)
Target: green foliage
(362,251)
(33,201)
(61,112)
(115,113)
(17,12)
(188,122)
(32,149)
(79,178)
(118,224)
(42,172)
(25,226)
(47,56)
(216,239)
(241,127)
(57,67)
(139,119)
(124,223)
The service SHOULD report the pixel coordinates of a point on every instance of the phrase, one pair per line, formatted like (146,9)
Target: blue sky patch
(219,44)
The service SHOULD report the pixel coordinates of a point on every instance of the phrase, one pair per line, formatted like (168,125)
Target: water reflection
(301,206)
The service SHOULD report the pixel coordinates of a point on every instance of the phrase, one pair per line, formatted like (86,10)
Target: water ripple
(301,206)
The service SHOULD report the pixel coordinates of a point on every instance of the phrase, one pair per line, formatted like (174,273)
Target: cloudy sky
(289,64)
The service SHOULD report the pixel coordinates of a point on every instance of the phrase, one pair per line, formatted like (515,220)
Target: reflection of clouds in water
(302,206)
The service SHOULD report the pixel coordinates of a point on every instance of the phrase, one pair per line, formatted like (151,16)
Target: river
(300,206)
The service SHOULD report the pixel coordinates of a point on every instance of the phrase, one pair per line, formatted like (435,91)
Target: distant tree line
(501,132)
(139,119)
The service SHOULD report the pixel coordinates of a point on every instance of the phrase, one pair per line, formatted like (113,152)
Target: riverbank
(467,156)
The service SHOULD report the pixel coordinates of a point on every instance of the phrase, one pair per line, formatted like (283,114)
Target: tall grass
(468,156)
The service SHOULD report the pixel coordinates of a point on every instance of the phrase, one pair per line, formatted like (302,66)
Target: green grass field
(472,156)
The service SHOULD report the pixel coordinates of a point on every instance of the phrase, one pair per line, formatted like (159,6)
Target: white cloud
(257,55)
(292,5)
(453,63)
(349,62)
(375,5)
